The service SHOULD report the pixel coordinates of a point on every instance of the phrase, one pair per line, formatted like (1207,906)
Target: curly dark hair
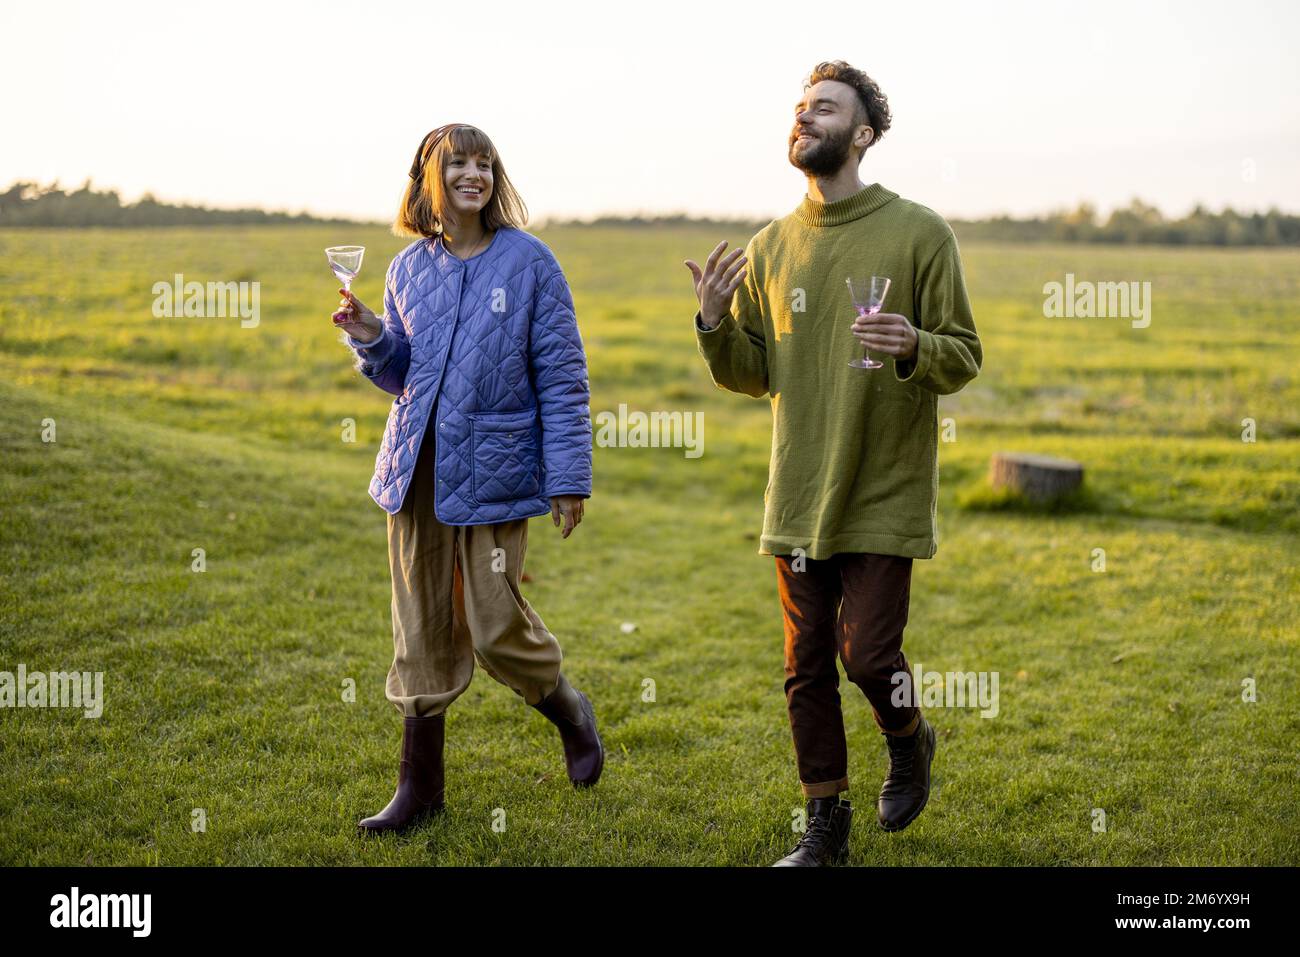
(872,103)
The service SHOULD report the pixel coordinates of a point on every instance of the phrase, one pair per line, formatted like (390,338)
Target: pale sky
(655,106)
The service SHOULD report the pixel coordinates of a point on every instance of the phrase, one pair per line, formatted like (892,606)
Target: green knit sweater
(854,463)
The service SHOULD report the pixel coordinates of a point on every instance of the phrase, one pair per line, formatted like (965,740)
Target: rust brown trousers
(851,607)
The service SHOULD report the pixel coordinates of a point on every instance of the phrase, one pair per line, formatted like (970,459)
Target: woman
(491,426)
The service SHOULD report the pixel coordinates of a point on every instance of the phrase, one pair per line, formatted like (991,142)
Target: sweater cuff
(376,355)
(916,368)
(368,345)
(704,330)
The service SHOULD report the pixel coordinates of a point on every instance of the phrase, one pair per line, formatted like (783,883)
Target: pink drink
(868,296)
(343,274)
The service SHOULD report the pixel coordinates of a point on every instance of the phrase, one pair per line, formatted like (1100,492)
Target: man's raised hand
(717,282)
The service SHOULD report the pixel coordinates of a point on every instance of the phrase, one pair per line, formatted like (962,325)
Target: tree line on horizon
(26,204)
(1139,222)
(31,204)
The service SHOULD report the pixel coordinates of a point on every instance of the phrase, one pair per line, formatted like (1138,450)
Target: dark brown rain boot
(419,778)
(571,711)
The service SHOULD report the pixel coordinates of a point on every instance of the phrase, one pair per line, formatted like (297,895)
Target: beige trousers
(456,598)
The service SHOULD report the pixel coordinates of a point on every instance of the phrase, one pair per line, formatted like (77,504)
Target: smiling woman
(491,426)
(456,173)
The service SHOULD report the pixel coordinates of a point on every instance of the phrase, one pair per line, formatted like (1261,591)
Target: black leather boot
(825,841)
(907,786)
(419,778)
(571,711)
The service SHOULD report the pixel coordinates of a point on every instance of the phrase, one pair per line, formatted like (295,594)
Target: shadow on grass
(982,497)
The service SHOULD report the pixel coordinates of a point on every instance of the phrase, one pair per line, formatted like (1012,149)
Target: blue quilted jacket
(491,343)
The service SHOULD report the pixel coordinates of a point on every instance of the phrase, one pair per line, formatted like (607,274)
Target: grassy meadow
(1121,689)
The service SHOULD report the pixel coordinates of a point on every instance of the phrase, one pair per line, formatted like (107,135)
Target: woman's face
(468,181)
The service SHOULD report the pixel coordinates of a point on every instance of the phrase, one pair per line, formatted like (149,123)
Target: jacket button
(442,425)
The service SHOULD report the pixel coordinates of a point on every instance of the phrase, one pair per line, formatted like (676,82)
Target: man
(854,474)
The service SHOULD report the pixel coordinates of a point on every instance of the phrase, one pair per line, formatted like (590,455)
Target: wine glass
(868,297)
(345,261)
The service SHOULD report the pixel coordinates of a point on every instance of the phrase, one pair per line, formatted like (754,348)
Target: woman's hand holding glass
(356,319)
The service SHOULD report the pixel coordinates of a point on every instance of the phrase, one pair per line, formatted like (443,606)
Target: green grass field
(1120,690)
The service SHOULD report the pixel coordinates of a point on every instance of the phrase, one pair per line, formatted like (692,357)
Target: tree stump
(1040,478)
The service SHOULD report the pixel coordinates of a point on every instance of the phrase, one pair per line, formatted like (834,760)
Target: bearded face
(820,152)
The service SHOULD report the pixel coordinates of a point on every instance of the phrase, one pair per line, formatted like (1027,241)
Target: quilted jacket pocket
(506,461)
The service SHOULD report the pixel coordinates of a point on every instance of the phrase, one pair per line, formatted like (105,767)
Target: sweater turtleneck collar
(867,200)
